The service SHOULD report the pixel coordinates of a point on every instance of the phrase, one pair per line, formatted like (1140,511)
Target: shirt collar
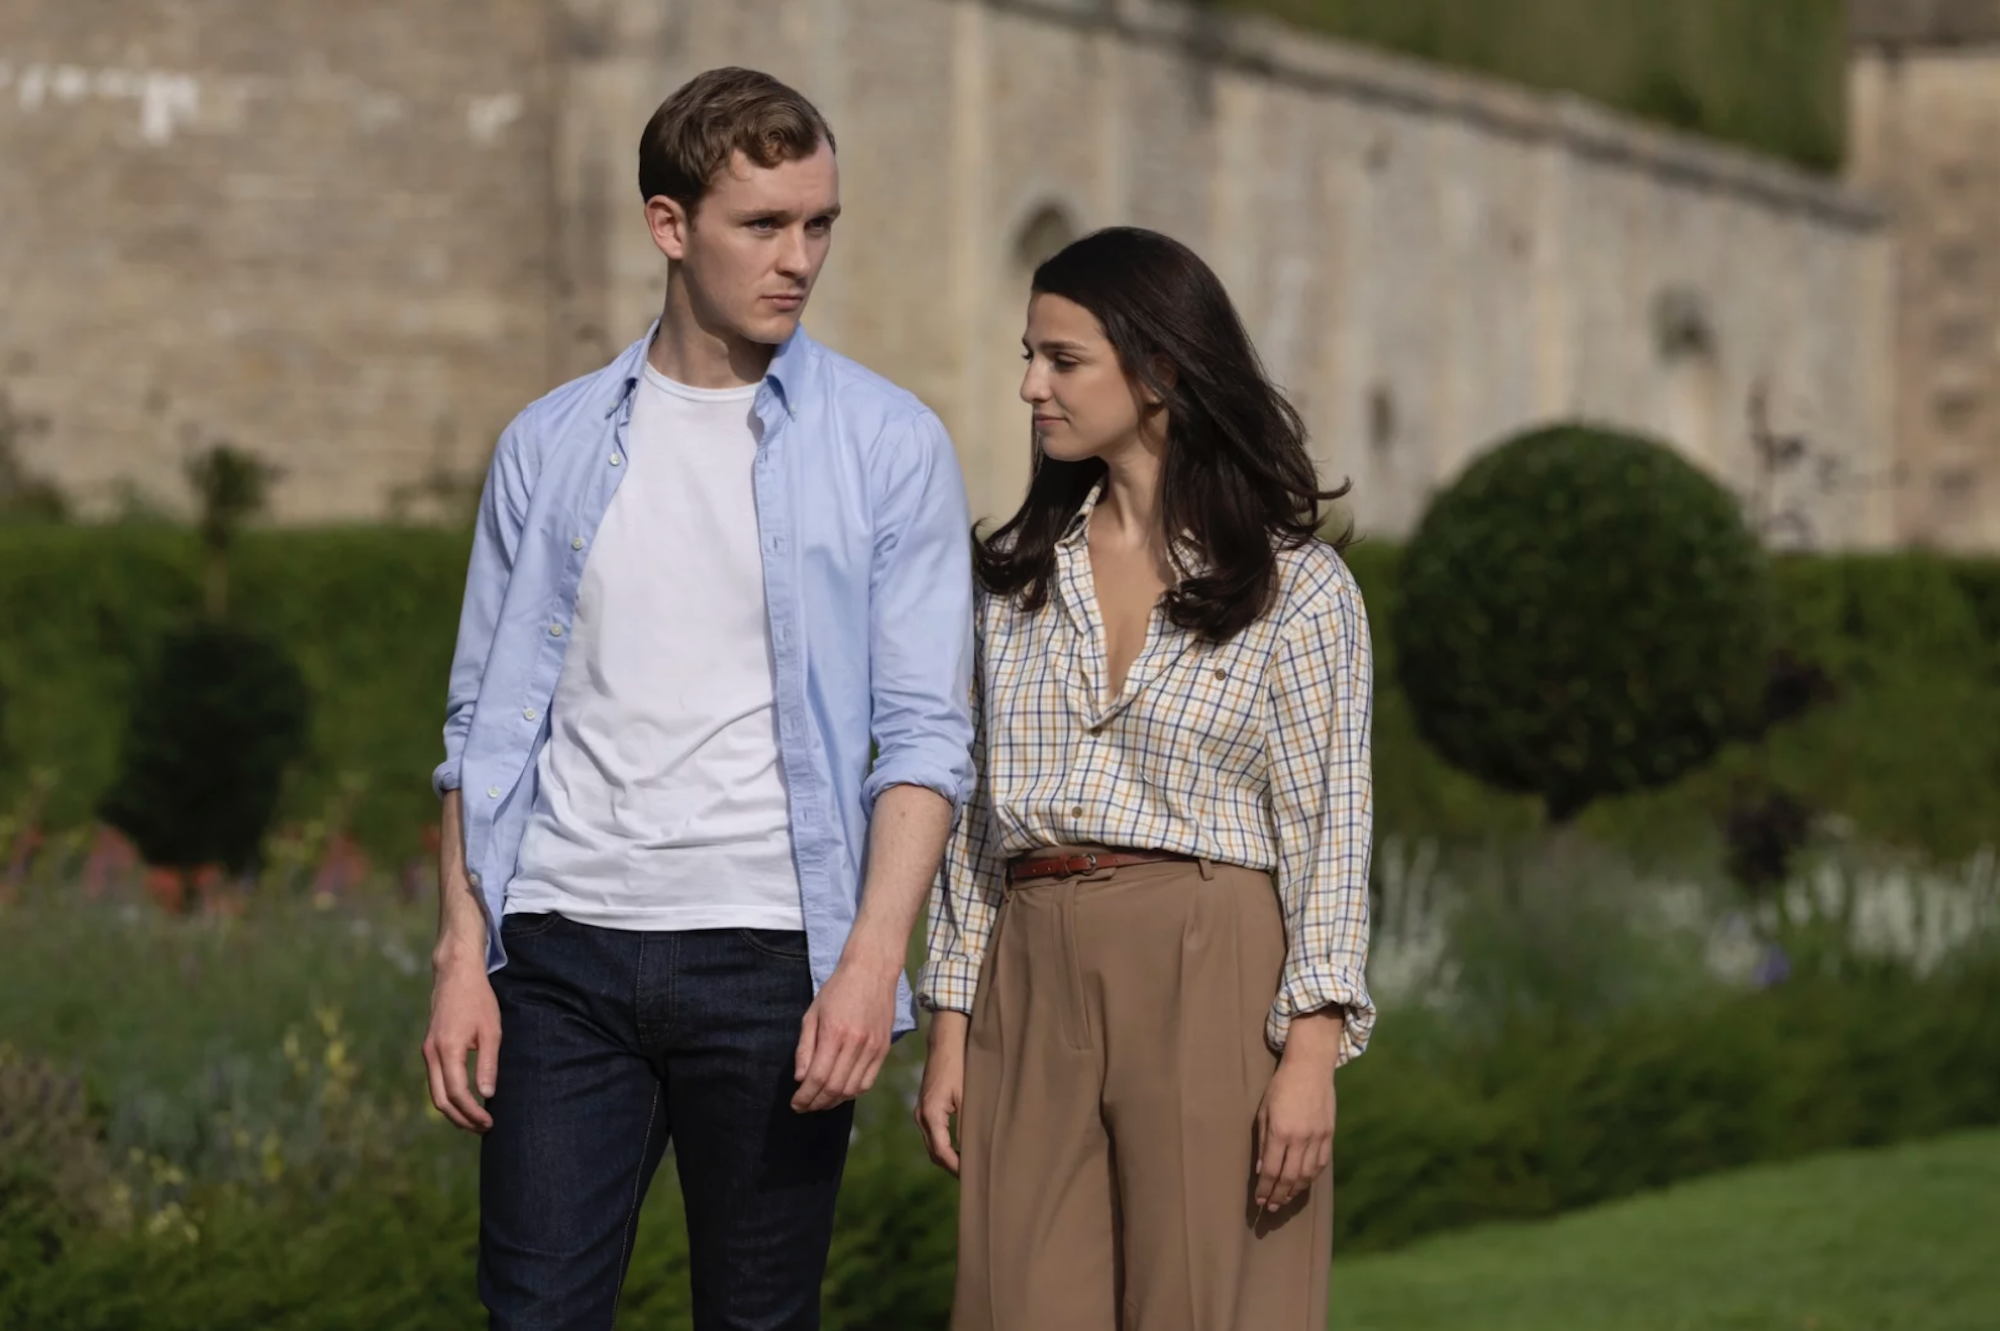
(1078,531)
(789,368)
(787,373)
(627,370)
(1076,536)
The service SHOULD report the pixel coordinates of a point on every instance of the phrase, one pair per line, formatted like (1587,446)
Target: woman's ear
(1162,373)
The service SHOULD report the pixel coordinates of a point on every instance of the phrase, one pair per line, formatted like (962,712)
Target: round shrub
(1581,613)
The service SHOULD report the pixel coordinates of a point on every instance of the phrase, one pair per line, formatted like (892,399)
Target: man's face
(752,250)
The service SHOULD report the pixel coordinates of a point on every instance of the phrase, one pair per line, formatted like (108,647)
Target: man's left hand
(846,1031)
(845,1035)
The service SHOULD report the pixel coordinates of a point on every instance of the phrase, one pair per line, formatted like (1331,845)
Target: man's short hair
(713,116)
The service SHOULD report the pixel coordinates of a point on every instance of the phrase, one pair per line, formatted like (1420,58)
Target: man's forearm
(461,936)
(906,841)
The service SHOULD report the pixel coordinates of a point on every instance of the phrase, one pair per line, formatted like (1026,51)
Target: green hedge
(1909,753)
(1768,74)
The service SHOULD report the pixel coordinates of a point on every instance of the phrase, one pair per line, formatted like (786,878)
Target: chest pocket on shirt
(1219,695)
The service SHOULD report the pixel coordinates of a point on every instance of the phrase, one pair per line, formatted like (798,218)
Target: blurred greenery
(230,488)
(1766,74)
(1544,1121)
(253,1103)
(1858,1241)
(369,616)
(1907,754)
(256,1077)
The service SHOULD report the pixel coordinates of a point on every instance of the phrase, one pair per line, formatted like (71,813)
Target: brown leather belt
(1030,868)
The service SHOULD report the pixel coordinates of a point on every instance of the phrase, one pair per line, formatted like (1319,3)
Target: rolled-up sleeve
(967,896)
(496,537)
(1322,792)
(920,610)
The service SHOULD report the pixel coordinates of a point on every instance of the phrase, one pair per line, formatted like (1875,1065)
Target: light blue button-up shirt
(862,520)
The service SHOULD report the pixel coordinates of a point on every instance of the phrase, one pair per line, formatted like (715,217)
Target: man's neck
(704,356)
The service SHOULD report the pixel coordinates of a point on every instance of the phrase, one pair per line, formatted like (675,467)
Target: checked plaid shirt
(1253,752)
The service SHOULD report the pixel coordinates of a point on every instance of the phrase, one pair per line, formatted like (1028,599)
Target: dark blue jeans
(613,1043)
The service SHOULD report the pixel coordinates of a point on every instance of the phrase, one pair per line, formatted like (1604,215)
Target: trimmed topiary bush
(212,731)
(222,715)
(1581,614)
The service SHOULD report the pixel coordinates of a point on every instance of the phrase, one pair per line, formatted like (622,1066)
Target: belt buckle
(1089,863)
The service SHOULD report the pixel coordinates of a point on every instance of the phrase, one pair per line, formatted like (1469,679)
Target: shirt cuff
(948,985)
(912,772)
(1316,988)
(448,776)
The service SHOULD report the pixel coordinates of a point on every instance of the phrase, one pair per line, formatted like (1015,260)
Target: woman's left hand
(1295,1122)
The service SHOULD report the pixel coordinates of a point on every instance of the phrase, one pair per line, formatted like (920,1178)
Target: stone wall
(1427,261)
(1927,23)
(1924,100)
(320,231)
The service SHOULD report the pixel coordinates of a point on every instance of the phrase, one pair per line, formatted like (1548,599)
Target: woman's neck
(1130,512)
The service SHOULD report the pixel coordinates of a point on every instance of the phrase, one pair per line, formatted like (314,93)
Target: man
(704,579)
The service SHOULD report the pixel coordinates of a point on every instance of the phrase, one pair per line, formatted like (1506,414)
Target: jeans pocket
(784,944)
(528,924)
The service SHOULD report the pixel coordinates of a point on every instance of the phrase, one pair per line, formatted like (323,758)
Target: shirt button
(617,459)
(1077,812)
(576,543)
(472,878)
(493,792)
(555,630)
(1221,674)
(529,714)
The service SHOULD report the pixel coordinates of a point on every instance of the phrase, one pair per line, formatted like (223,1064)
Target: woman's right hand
(943,1092)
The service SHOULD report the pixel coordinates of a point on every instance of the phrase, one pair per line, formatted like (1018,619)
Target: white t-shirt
(662,802)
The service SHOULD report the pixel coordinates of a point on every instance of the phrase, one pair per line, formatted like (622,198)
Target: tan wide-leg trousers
(1114,1068)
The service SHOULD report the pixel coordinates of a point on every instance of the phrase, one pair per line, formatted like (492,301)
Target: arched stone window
(1046,231)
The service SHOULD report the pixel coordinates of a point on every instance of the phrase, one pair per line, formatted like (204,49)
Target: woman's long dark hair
(1237,479)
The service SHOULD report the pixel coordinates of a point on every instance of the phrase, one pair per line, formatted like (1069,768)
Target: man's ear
(670,223)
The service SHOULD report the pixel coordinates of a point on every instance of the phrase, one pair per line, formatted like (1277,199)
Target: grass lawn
(1905,1238)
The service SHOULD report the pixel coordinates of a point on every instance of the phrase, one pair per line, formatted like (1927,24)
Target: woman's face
(1085,405)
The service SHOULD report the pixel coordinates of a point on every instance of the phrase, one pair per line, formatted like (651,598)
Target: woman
(1147,949)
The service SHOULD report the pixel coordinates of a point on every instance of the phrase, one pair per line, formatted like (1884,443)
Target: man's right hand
(465,1017)
(465,1020)
(943,1093)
